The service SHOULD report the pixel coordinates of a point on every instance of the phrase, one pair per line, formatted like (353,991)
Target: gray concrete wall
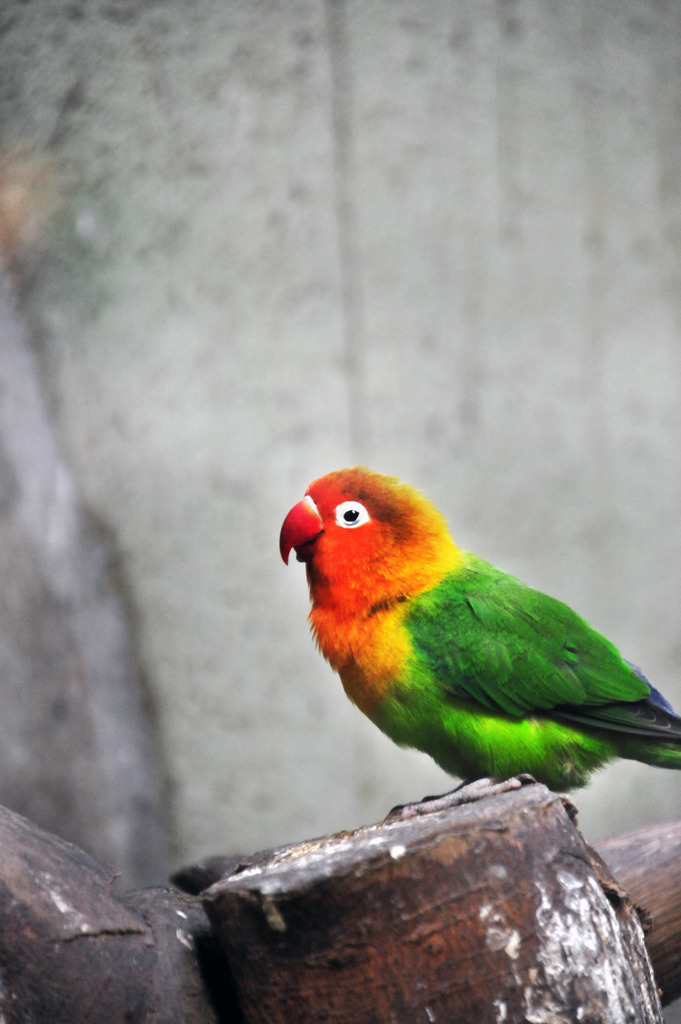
(78,739)
(440,238)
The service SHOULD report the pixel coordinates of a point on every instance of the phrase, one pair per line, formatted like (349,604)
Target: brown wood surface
(72,952)
(490,911)
(647,862)
(494,910)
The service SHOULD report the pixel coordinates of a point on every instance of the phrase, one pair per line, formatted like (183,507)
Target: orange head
(367,540)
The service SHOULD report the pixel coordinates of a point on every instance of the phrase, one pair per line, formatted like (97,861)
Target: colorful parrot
(446,653)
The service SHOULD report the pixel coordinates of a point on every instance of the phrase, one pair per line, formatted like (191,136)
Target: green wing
(488,637)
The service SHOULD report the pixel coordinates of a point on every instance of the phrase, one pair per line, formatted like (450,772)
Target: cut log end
(487,911)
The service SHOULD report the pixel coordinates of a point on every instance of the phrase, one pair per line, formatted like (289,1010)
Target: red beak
(302,525)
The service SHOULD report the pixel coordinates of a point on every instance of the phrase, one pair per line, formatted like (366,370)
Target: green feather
(489,637)
(504,679)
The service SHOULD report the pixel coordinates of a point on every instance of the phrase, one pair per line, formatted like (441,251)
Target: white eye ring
(350,514)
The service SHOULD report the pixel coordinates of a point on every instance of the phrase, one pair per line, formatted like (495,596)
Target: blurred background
(248,243)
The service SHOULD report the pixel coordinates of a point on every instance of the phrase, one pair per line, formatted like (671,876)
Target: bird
(452,656)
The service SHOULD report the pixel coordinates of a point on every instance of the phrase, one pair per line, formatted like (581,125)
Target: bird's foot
(466,793)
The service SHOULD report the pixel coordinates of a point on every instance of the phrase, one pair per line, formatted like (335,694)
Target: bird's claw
(466,793)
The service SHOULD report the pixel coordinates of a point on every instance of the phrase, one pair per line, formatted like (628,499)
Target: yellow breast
(368,653)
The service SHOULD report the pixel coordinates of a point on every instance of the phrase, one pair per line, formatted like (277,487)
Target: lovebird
(450,655)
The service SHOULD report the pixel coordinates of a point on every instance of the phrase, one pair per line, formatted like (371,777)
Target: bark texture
(489,911)
(648,863)
(72,952)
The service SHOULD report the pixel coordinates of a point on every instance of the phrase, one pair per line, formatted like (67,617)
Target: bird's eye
(350,514)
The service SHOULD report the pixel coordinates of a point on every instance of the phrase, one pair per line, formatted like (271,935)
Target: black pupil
(351,516)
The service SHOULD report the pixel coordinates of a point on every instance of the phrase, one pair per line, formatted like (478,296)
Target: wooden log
(489,911)
(647,862)
(71,952)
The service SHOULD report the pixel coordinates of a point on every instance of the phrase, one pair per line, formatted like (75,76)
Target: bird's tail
(660,754)
(646,730)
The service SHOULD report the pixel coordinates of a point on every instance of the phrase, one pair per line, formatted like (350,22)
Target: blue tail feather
(656,698)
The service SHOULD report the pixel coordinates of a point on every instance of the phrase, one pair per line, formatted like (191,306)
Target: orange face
(366,539)
(370,543)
